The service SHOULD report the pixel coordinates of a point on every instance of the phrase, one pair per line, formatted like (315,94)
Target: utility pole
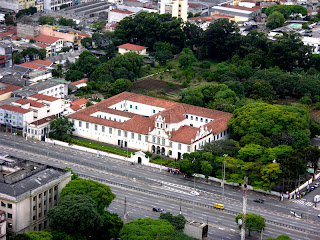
(161,160)
(125,208)
(224,172)
(244,209)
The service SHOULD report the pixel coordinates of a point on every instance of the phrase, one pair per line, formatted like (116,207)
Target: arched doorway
(158,150)
(153,149)
(163,151)
(139,160)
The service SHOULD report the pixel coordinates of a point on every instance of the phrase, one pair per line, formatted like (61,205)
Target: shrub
(316,98)
(170,84)
(305,100)
(185,84)
(205,65)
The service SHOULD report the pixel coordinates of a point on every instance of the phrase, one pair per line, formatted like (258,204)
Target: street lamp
(161,160)
(224,172)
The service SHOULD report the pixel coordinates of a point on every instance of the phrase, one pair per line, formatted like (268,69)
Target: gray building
(27,191)
(5,54)
(28,29)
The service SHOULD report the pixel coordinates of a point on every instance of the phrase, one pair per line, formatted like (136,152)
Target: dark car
(157,209)
(259,200)
(312,188)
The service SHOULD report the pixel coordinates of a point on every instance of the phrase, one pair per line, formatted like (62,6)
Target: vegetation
(254,223)
(177,222)
(27,11)
(61,129)
(99,192)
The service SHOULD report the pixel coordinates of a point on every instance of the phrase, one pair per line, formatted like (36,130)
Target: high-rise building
(177,8)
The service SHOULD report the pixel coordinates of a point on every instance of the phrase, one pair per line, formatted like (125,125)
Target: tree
(20,236)
(177,221)
(64,6)
(163,56)
(76,215)
(185,166)
(275,20)
(39,235)
(99,192)
(221,39)
(73,75)
(57,72)
(146,229)
(74,175)
(121,85)
(255,138)
(268,119)
(218,148)
(254,223)
(61,129)
(86,42)
(131,61)
(112,225)
(187,58)
(9,19)
(206,169)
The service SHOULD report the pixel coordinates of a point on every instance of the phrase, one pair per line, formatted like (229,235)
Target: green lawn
(102,147)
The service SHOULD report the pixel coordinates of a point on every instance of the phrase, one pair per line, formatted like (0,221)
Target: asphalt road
(139,204)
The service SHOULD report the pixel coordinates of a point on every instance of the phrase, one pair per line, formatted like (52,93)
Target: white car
(195,193)
(295,214)
(317,185)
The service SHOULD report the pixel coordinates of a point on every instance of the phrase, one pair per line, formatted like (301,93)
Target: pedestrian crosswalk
(302,202)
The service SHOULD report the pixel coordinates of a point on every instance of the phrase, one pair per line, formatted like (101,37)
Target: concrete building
(55,43)
(49,88)
(27,191)
(128,47)
(26,29)
(177,8)
(55,5)
(151,124)
(5,54)
(39,129)
(238,14)
(196,230)
(3,225)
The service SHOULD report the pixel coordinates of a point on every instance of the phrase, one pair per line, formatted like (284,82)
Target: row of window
(4,204)
(196,119)
(9,116)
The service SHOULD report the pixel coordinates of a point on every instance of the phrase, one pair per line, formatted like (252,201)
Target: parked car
(312,188)
(317,185)
(195,193)
(319,216)
(259,200)
(157,209)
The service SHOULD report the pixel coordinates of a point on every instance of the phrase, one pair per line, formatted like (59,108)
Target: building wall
(15,119)
(116,17)
(5,96)
(180,9)
(123,51)
(10,4)
(58,91)
(54,5)
(24,30)
(29,211)
(56,107)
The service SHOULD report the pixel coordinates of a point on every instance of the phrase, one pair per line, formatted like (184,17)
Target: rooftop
(44,97)
(22,176)
(132,47)
(80,102)
(15,109)
(46,39)
(117,10)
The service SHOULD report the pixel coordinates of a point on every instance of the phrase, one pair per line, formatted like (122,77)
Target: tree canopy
(99,192)
(254,222)
(61,129)
(76,215)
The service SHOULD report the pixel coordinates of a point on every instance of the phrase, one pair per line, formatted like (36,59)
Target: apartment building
(27,191)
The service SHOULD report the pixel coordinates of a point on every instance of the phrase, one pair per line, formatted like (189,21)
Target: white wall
(137,108)
(58,91)
(124,50)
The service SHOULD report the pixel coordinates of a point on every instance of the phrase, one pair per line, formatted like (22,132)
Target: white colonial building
(151,124)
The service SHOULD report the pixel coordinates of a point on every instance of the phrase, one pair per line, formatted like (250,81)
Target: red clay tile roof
(148,7)
(75,107)
(174,112)
(8,33)
(114,25)
(44,97)
(14,109)
(80,102)
(221,16)
(30,65)
(132,47)
(41,45)
(44,120)
(193,5)
(46,39)
(42,62)
(84,80)
(121,11)
(84,34)
(31,102)
(210,19)
(9,88)
(184,134)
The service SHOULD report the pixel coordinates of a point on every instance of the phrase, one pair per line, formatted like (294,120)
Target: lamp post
(161,160)
(224,172)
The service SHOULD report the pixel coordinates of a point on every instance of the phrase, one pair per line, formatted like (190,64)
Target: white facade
(177,8)
(58,91)
(165,127)
(54,5)
(15,117)
(125,50)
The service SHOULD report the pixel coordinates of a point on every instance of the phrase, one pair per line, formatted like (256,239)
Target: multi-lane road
(145,188)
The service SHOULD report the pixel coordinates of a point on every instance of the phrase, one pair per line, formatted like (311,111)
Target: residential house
(28,190)
(128,47)
(6,90)
(55,106)
(80,83)
(56,43)
(150,124)
(40,128)
(80,102)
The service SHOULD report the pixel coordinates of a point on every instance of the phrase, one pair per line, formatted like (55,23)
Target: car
(319,216)
(317,185)
(295,214)
(259,200)
(157,209)
(219,206)
(312,188)
(195,193)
